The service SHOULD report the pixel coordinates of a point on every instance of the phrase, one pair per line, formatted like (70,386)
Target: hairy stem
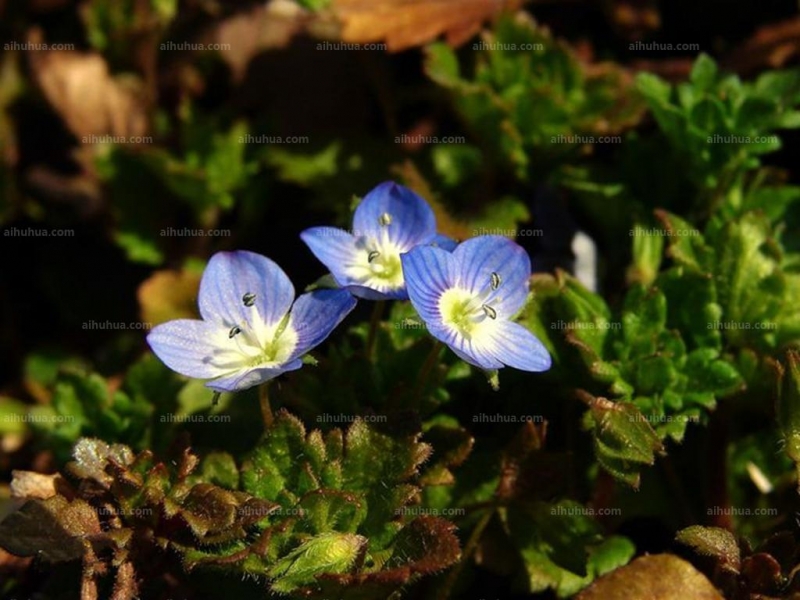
(425,371)
(374,323)
(466,555)
(266,409)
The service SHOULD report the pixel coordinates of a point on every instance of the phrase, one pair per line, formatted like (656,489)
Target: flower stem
(374,322)
(266,409)
(424,373)
(466,555)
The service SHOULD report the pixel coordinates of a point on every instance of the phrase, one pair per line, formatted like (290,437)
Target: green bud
(326,553)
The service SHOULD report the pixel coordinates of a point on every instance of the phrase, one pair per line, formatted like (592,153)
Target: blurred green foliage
(677,377)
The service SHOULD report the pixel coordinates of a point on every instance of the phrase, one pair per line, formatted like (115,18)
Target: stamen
(490,312)
(249,299)
(235,330)
(385,219)
(495,281)
(281,326)
(373,255)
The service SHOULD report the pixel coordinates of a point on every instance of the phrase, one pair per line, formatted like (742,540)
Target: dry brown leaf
(168,295)
(44,6)
(81,190)
(671,69)
(634,19)
(771,46)
(404,24)
(11,442)
(655,577)
(13,565)
(245,34)
(82,91)
(28,484)
(125,585)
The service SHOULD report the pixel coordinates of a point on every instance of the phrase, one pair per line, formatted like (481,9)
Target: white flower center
(466,312)
(377,263)
(258,345)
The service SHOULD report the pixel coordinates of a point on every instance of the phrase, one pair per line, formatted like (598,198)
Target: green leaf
(715,542)
(647,253)
(624,440)
(454,163)
(715,127)
(441,64)
(783,84)
(788,409)
(13,416)
(655,89)
(426,546)
(612,553)
(139,248)
(304,169)
(692,306)
(707,372)
(561,304)
(314,5)
(504,215)
(332,510)
(220,469)
(750,282)
(686,246)
(527,106)
(398,459)
(378,464)
(272,467)
(772,201)
(213,168)
(644,316)
(41,369)
(561,547)
(704,72)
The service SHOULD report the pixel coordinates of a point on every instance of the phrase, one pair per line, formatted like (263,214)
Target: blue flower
(250,332)
(389,221)
(467,299)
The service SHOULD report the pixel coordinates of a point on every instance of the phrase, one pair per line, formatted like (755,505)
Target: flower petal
(316,314)
(410,219)
(346,259)
(472,350)
(444,242)
(515,346)
(188,347)
(360,291)
(334,248)
(428,273)
(248,377)
(231,275)
(479,257)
